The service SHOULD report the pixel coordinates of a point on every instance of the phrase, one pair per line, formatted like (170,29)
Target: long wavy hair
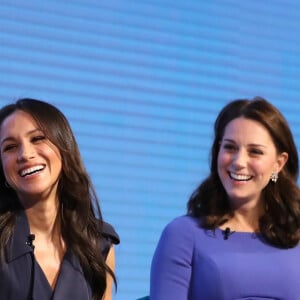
(79,213)
(280,223)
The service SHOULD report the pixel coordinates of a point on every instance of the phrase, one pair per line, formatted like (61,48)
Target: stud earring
(274,177)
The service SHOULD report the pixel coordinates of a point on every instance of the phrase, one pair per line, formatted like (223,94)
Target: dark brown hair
(79,215)
(280,224)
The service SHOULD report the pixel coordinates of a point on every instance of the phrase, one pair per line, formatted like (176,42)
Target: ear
(282,158)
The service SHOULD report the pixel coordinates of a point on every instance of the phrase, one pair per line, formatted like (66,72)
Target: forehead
(18,120)
(247,130)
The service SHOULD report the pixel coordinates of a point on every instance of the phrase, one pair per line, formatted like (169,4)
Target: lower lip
(33,175)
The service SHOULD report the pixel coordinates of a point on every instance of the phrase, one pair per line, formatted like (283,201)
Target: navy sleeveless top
(21,278)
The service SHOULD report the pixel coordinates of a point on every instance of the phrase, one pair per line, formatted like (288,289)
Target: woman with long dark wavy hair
(53,241)
(240,236)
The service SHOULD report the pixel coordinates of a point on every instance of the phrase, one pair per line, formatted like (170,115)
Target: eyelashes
(11,146)
(231,148)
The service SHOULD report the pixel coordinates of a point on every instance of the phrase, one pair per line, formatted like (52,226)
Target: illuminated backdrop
(141,83)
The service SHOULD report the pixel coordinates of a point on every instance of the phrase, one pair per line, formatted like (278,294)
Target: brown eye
(9,147)
(229,147)
(38,138)
(256,151)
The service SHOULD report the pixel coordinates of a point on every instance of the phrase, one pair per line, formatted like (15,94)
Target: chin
(239,199)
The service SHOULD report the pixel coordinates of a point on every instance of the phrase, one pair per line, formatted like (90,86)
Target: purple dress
(197,264)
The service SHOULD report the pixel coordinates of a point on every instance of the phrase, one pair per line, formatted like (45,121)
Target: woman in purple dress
(240,236)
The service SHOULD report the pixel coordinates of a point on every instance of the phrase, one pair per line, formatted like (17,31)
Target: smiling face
(246,160)
(31,163)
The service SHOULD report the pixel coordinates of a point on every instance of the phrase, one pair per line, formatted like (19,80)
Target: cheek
(260,166)
(52,152)
(48,151)
(262,169)
(7,166)
(223,159)
(5,161)
(55,158)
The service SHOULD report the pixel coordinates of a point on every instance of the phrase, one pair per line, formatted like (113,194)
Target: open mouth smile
(239,177)
(31,170)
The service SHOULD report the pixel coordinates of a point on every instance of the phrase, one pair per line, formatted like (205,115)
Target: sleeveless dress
(21,278)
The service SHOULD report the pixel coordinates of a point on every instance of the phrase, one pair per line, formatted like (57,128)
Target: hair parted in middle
(79,213)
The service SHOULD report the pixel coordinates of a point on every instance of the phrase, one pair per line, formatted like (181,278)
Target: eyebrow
(10,138)
(251,145)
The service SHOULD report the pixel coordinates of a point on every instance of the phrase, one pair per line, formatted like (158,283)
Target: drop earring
(274,177)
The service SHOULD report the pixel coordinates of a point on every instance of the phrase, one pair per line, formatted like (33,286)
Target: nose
(26,151)
(240,158)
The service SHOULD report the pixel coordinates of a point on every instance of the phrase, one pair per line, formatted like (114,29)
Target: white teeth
(31,170)
(239,177)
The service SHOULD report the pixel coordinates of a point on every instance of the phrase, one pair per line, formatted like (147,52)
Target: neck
(243,221)
(42,218)
(245,217)
(242,224)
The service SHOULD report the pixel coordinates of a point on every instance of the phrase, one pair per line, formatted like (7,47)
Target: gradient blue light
(141,83)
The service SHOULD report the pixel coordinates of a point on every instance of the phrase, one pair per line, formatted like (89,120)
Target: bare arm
(110,260)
